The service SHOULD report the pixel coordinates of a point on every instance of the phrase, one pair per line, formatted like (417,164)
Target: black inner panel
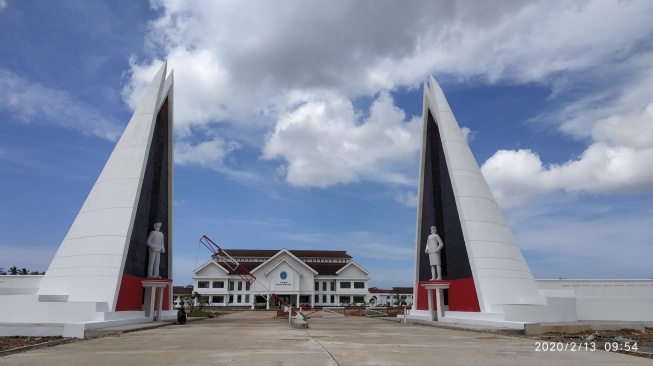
(439,210)
(153,202)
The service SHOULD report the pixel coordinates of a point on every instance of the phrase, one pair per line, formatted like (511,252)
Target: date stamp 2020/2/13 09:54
(547,346)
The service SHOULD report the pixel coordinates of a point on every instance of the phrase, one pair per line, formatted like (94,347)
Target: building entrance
(285,298)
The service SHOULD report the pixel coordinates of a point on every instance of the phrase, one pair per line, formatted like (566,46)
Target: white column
(159,305)
(431,313)
(149,302)
(440,303)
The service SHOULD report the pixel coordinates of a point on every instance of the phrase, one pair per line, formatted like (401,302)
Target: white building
(298,277)
(181,295)
(397,296)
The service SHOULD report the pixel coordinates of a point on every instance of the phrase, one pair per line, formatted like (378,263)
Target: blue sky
(298,123)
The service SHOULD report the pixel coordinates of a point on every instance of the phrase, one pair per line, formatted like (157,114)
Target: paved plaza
(256,338)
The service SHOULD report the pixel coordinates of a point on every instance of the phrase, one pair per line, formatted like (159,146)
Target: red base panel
(462,296)
(130,296)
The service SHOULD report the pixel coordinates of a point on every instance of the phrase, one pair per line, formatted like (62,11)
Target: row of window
(343,299)
(219,299)
(239,284)
(342,285)
(220,284)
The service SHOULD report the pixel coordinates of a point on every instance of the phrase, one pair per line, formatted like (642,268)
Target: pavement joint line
(324,348)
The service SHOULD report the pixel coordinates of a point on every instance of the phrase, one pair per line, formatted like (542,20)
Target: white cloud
(616,161)
(517,176)
(3,5)
(34,103)
(408,199)
(469,134)
(210,153)
(295,67)
(324,143)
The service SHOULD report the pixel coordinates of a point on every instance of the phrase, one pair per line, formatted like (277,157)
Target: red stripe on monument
(462,296)
(130,296)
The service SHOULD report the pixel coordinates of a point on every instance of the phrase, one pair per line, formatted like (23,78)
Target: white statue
(433,247)
(155,245)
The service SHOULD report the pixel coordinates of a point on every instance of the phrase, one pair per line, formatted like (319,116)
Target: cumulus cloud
(295,68)
(31,102)
(3,5)
(616,161)
(324,144)
(517,176)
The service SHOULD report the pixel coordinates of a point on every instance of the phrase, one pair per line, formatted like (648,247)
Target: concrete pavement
(256,338)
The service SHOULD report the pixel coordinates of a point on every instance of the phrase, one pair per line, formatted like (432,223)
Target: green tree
(23,271)
(13,270)
(2,271)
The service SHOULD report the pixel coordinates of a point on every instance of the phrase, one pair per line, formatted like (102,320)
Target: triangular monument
(99,275)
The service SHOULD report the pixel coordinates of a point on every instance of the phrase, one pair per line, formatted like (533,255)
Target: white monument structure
(483,277)
(98,277)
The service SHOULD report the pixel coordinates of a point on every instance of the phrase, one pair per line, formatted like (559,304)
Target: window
(359,284)
(240,286)
(231,285)
(317,298)
(344,299)
(345,284)
(324,299)
(333,286)
(231,299)
(246,286)
(204,300)
(218,284)
(324,284)
(359,299)
(238,299)
(246,299)
(217,299)
(333,299)
(202,284)
(317,286)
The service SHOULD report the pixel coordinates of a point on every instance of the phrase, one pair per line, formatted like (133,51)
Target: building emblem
(283,275)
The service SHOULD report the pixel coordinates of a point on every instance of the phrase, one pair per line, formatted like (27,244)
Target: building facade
(181,295)
(298,277)
(397,296)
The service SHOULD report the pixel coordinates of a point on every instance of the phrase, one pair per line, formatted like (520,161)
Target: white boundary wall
(625,300)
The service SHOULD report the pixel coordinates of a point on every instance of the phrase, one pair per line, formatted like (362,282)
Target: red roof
(324,269)
(182,290)
(402,290)
(395,290)
(264,253)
